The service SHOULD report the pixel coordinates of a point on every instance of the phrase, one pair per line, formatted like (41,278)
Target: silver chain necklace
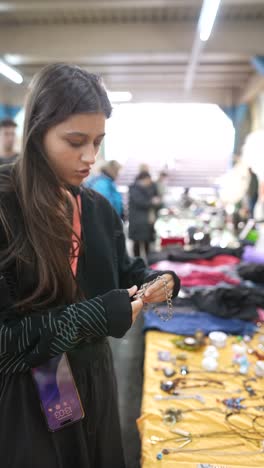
(165,316)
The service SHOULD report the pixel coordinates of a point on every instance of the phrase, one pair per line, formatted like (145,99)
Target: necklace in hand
(165,316)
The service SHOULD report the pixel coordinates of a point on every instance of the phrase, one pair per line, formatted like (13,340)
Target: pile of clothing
(221,289)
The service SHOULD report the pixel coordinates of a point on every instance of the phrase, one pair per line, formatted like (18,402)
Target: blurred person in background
(261,197)
(186,200)
(152,187)
(143,206)
(161,184)
(66,280)
(104,183)
(7,141)
(252,192)
(143,167)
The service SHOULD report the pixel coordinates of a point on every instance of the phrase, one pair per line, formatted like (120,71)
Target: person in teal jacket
(104,183)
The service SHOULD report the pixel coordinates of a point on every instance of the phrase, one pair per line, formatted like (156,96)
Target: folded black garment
(236,302)
(252,271)
(205,253)
(178,254)
(155,257)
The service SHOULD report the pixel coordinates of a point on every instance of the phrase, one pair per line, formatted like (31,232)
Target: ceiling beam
(221,96)
(64,5)
(15,95)
(129,59)
(50,5)
(41,6)
(168,69)
(109,58)
(165,77)
(243,2)
(150,39)
(159,86)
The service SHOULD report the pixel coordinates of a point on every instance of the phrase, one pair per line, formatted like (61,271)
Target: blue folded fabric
(188,323)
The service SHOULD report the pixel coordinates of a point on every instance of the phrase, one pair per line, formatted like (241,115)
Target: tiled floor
(128,355)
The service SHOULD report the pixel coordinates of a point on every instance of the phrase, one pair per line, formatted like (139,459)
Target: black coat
(103,267)
(80,330)
(140,206)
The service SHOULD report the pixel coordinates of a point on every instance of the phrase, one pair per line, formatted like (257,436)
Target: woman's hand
(156,292)
(137,304)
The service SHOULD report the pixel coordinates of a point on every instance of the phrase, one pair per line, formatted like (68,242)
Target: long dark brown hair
(56,92)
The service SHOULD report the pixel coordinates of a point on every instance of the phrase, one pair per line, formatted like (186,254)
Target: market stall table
(211,446)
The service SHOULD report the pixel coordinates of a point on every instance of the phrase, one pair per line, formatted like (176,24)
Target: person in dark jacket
(252,192)
(143,205)
(66,280)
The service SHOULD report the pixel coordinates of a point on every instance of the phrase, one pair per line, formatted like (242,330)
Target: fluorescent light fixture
(10,73)
(119,96)
(207,18)
(14,59)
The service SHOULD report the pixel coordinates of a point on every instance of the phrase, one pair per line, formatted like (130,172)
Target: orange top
(74,254)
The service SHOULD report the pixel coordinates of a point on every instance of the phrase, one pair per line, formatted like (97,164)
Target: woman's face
(72,146)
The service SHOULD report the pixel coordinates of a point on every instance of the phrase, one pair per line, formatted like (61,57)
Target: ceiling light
(207,18)
(119,96)
(10,73)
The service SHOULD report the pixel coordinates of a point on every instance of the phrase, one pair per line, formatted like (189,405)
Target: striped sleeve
(30,340)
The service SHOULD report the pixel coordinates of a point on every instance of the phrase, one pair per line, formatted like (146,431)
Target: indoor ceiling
(147,47)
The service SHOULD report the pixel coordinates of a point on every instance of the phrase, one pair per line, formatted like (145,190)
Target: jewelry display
(184,370)
(259,369)
(218,339)
(169,372)
(213,450)
(190,343)
(171,386)
(234,403)
(179,396)
(255,421)
(243,432)
(187,436)
(212,392)
(256,353)
(200,371)
(248,388)
(235,415)
(173,415)
(165,356)
(167,451)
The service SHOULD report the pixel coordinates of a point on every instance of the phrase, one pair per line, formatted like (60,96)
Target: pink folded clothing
(167,265)
(185,269)
(261,315)
(192,274)
(218,260)
(198,278)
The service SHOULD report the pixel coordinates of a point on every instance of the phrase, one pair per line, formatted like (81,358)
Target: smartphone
(58,394)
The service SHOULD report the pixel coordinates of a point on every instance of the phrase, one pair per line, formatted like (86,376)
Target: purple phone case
(59,397)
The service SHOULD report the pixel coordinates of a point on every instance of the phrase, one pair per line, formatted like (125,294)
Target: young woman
(66,281)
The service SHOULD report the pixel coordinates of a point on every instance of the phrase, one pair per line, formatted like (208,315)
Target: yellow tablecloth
(150,423)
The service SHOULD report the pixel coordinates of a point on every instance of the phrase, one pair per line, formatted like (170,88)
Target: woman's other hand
(137,304)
